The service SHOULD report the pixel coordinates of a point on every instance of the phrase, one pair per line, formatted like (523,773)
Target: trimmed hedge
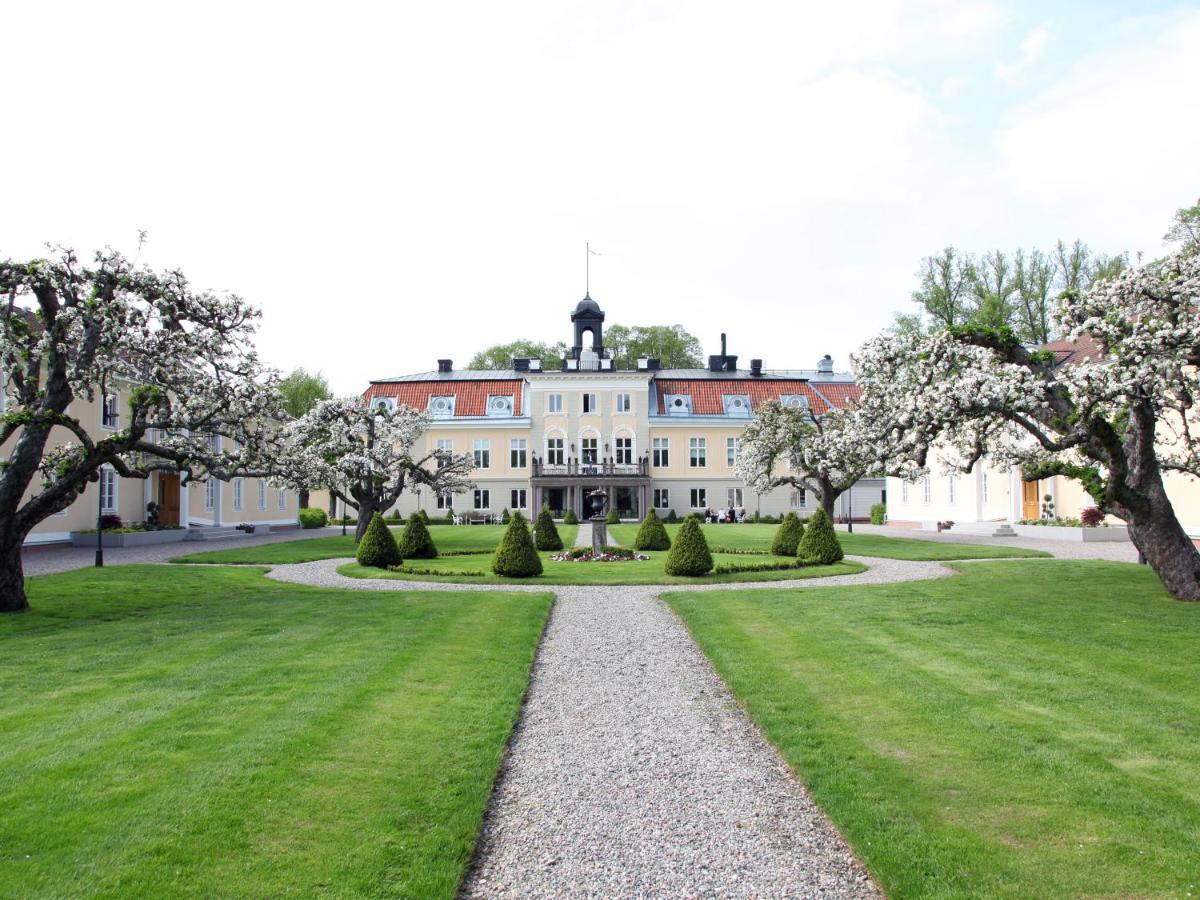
(820,545)
(652,535)
(689,555)
(415,542)
(313,517)
(378,548)
(545,535)
(787,536)
(570,518)
(734,568)
(516,556)
(879,514)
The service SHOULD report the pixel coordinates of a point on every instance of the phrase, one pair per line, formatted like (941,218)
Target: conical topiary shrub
(570,518)
(505,516)
(652,535)
(415,542)
(612,517)
(672,516)
(377,547)
(819,546)
(545,535)
(516,556)
(689,554)
(787,536)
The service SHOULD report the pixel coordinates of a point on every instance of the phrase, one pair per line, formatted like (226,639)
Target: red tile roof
(707,394)
(1082,350)
(471,395)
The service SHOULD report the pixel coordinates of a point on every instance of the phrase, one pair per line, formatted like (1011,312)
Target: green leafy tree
(945,288)
(516,556)
(820,545)
(689,554)
(673,345)
(545,534)
(301,391)
(378,548)
(787,535)
(993,288)
(415,541)
(500,356)
(1033,275)
(1185,230)
(652,535)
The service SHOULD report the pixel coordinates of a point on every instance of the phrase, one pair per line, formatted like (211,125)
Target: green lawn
(1022,730)
(759,537)
(208,732)
(648,571)
(445,537)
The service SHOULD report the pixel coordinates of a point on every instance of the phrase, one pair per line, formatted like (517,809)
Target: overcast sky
(396,184)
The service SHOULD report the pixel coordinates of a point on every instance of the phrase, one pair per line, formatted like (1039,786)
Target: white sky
(399,183)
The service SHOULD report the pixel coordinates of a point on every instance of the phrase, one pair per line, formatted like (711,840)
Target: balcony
(605,468)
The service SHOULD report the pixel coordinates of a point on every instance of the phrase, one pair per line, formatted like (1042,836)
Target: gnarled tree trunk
(12,574)
(1155,530)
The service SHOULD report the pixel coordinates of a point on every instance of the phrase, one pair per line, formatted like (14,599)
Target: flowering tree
(823,454)
(368,456)
(70,331)
(1115,424)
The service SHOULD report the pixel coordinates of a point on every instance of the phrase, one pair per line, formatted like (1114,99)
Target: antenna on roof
(587,268)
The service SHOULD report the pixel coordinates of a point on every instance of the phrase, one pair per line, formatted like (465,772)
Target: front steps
(214,533)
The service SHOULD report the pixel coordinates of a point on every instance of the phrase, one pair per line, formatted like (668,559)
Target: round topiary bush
(612,517)
(545,535)
(652,535)
(820,545)
(377,547)
(313,517)
(787,536)
(570,518)
(415,542)
(689,554)
(516,557)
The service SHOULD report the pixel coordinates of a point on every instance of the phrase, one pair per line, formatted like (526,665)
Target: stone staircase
(1004,530)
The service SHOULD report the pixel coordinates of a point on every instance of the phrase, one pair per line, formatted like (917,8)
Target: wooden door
(1030,505)
(168,499)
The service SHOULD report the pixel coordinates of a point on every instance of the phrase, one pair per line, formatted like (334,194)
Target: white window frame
(109,490)
(623,403)
(594,441)
(951,487)
(554,403)
(518,453)
(928,486)
(660,453)
(903,491)
(734,496)
(700,494)
(556,451)
(110,422)
(483,498)
(282,498)
(262,493)
(210,494)
(984,479)
(623,455)
(799,498)
(519,498)
(733,449)
(481,453)
(445,500)
(662,498)
(238,497)
(589,404)
(697,453)
(443,446)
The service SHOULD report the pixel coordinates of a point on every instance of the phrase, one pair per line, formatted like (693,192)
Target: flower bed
(609,554)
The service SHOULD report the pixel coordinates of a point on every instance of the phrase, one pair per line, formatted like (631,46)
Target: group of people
(731,515)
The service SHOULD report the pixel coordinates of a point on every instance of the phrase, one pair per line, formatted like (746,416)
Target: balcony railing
(575,468)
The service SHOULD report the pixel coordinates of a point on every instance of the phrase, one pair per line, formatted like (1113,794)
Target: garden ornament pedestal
(597,500)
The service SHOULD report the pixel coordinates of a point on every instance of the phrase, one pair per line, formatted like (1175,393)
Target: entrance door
(168,499)
(1030,507)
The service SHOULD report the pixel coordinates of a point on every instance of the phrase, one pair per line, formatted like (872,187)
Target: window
(799,498)
(108,489)
(282,498)
(733,449)
(587,447)
(214,443)
(699,498)
(590,405)
(733,498)
(441,407)
(554,403)
(698,452)
(262,493)
(483,498)
(625,451)
(210,494)
(237,494)
(518,498)
(952,484)
(984,479)
(483,453)
(928,489)
(109,412)
(661,455)
(445,500)
(518,453)
(445,448)
(662,498)
(623,403)
(554,451)
(903,491)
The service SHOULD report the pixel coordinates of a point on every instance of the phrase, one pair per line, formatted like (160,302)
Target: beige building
(646,436)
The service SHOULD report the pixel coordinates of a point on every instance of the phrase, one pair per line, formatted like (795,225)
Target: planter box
(130,538)
(1114,533)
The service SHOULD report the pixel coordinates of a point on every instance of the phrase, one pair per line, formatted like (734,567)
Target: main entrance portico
(627,486)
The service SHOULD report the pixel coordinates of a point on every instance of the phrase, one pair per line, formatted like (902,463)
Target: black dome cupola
(588,317)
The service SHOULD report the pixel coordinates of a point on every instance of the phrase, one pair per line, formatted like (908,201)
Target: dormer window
(737,405)
(678,404)
(441,407)
(500,407)
(794,401)
(384,404)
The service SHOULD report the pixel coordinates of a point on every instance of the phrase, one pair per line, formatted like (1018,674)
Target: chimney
(825,365)
(520,365)
(445,365)
(756,368)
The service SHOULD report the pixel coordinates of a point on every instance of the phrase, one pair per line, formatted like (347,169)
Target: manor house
(648,436)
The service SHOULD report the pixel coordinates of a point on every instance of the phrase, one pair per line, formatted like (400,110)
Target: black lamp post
(343,518)
(848,510)
(100,489)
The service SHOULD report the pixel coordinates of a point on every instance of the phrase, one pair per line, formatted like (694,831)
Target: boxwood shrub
(516,557)
(787,536)
(545,534)
(652,535)
(377,547)
(313,517)
(689,554)
(415,542)
(820,545)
